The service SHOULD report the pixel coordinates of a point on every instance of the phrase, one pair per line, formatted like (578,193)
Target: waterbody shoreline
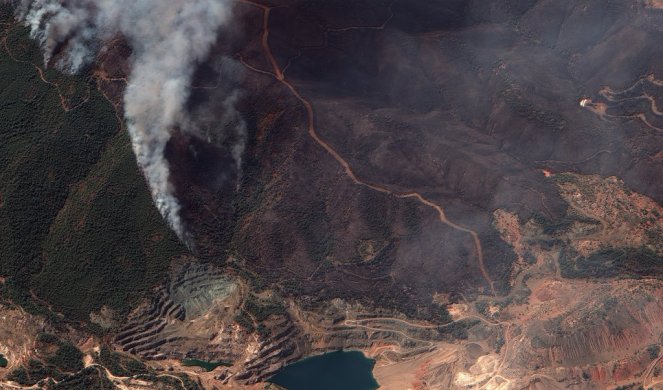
(339,370)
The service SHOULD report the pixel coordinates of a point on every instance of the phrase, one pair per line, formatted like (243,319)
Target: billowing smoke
(168,37)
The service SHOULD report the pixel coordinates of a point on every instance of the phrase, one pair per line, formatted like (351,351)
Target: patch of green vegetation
(86,379)
(482,307)
(67,358)
(34,372)
(70,191)
(291,287)
(563,178)
(555,226)
(3,361)
(458,329)
(64,366)
(245,321)
(172,381)
(118,364)
(120,210)
(13,294)
(20,375)
(263,331)
(48,338)
(441,314)
(255,311)
(260,310)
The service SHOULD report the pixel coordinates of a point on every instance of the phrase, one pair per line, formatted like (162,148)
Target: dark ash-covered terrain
(467,191)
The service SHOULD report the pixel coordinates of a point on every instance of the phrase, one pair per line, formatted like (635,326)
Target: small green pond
(208,366)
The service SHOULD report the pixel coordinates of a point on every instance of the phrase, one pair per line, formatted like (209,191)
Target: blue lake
(332,371)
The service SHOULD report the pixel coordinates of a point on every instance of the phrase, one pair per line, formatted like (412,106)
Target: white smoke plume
(168,37)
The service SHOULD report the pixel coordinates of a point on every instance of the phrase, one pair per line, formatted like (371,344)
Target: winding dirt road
(66,106)
(613,96)
(277,73)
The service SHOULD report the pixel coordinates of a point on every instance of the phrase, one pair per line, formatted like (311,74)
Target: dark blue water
(332,371)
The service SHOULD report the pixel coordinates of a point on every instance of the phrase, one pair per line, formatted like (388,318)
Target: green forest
(78,229)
